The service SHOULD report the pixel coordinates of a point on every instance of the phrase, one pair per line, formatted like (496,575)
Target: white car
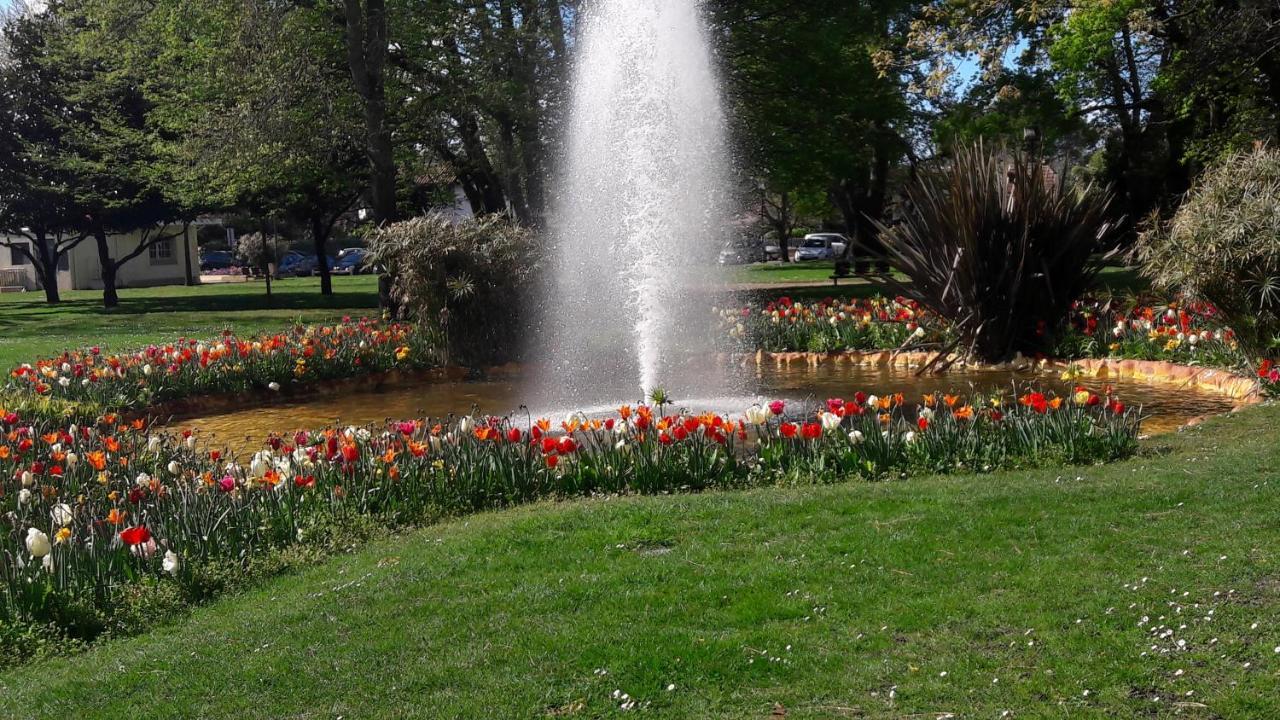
(821,246)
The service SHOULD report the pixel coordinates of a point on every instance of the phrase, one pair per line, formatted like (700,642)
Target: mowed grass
(1120,280)
(30,328)
(1149,588)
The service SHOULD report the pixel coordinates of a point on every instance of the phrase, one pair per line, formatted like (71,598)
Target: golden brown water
(1166,407)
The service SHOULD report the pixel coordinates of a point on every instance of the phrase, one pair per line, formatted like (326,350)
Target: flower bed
(783,325)
(96,516)
(226,365)
(1189,334)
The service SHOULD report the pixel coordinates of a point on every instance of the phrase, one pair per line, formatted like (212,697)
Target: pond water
(803,387)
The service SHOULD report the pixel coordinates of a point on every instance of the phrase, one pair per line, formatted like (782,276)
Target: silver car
(821,246)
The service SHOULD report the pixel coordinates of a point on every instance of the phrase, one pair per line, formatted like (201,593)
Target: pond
(805,388)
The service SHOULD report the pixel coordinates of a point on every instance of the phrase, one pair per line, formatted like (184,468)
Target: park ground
(1144,588)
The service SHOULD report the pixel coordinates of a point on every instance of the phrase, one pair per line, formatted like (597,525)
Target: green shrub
(999,248)
(1223,246)
(469,278)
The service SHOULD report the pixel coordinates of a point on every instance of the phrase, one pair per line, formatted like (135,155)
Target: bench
(841,271)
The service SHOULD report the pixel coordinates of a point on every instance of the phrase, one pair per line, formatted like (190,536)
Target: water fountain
(640,209)
(641,204)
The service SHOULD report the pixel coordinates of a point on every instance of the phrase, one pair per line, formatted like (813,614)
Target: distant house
(164,263)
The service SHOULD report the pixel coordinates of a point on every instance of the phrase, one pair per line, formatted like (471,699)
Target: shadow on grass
(286,300)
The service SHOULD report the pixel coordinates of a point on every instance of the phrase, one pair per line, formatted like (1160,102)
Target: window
(161,253)
(17,256)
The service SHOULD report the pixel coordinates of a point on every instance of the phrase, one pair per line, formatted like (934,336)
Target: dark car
(352,262)
(217,260)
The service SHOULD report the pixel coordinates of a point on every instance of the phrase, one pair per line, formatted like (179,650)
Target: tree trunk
(186,253)
(110,298)
(319,237)
(49,258)
(382,162)
(46,266)
(366,58)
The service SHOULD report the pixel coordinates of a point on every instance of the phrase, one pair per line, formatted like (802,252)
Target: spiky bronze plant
(999,246)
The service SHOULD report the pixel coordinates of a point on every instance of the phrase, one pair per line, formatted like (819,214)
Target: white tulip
(273,386)
(171,562)
(174,468)
(872,401)
(757,415)
(27,478)
(1192,339)
(153,443)
(72,459)
(142,480)
(855,437)
(909,437)
(926,413)
(24,497)
(830,421)
(64,381)
(38,543)
(465,425)
(191,442)
(61,515)
(146,370)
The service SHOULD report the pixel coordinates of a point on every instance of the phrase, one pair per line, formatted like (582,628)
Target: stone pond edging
(1243,390)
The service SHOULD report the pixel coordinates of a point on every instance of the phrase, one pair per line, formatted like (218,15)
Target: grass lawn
(1146,588)
(29,328)
(1115,279)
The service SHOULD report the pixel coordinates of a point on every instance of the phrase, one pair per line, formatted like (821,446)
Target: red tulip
(788,430)
(812,431)
(777,406)
(135,535)
(566,446)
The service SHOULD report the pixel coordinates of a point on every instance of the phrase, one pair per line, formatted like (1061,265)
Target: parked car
(352,262)
(294,264)
(821,246)
(740,252)
(217,260)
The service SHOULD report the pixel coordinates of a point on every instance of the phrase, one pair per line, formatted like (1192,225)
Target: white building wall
(85,273)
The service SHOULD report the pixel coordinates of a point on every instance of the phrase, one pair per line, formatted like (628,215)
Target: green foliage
(998,249)
(469,277)
(1223,245)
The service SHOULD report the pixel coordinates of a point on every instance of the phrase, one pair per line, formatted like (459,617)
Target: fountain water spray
(639,210)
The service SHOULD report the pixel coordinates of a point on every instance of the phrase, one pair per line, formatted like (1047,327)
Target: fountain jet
(639,209)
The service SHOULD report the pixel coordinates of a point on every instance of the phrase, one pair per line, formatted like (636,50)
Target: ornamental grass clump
(1223,245)
(468,277)
(1000,248)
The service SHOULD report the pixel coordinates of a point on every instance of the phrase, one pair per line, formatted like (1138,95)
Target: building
(168,262)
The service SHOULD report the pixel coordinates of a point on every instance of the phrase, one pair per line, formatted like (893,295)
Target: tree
(366,42)
(37,219)
(281,135)
(819,91)
(106,153)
